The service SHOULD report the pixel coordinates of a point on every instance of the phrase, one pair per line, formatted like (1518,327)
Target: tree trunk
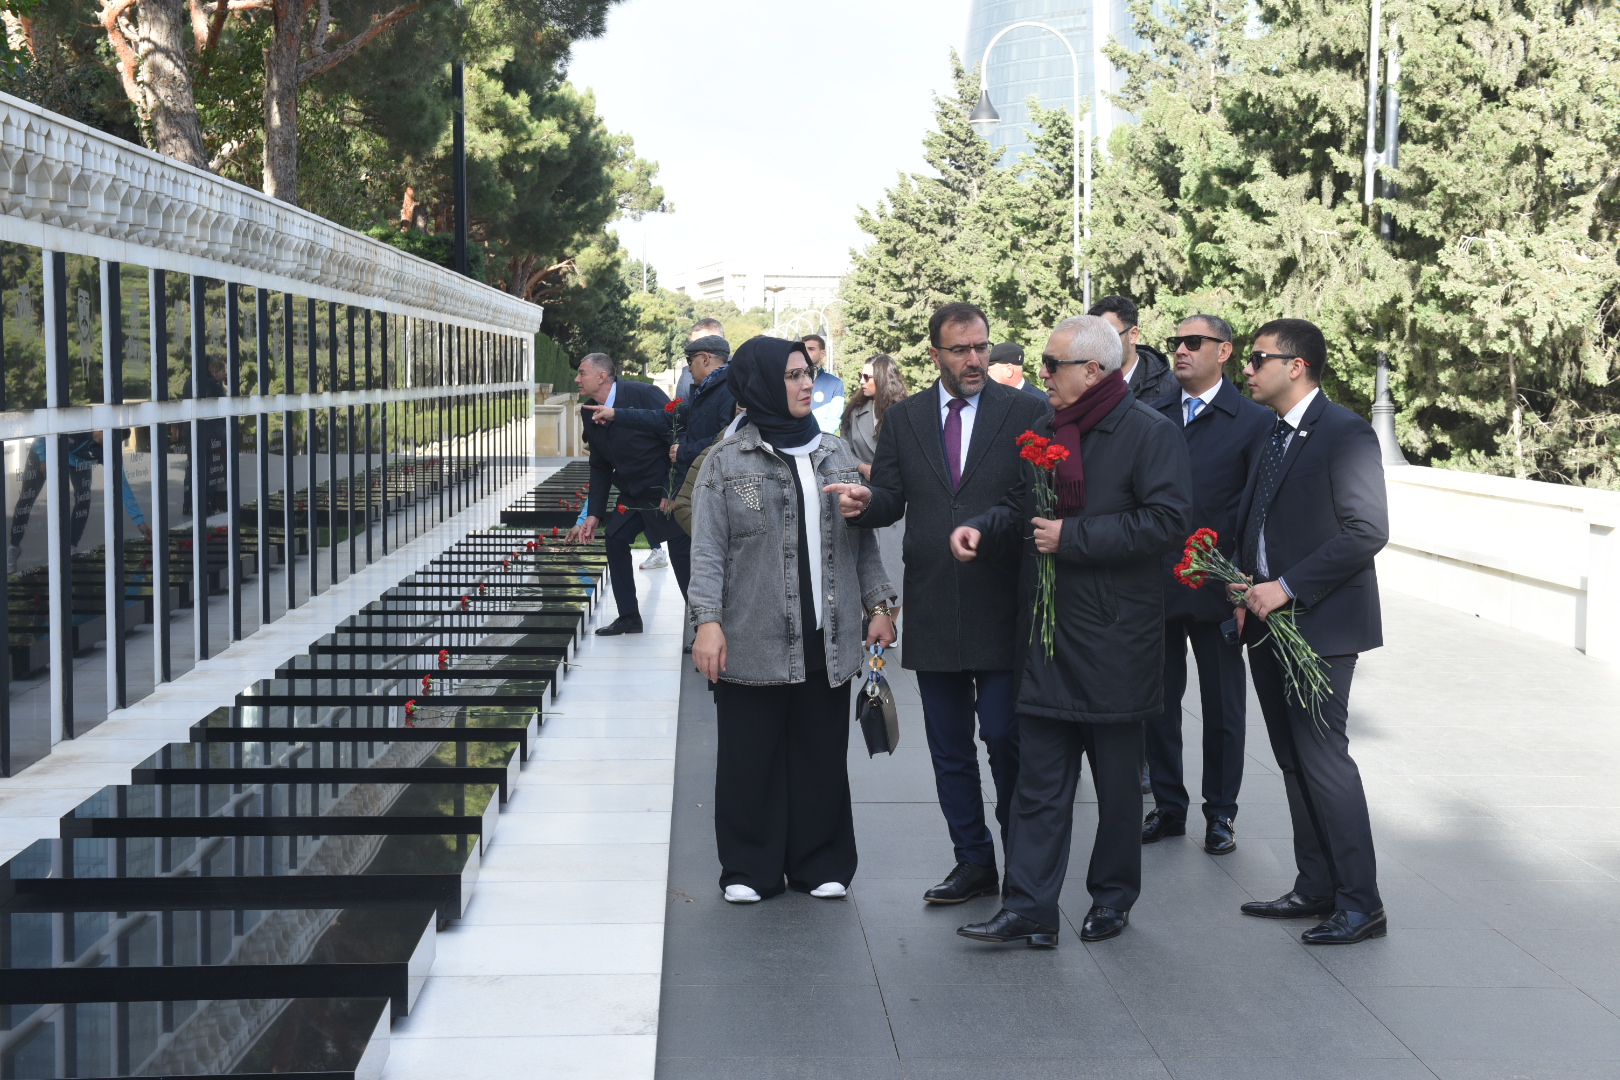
(281,102)
(1519,469)
(171,104)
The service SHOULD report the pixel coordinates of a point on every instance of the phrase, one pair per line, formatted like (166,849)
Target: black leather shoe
(1347,927)
(1160,824)
(1219,839)
(1102,923)
(964,883)
(624,624)
(1292,906)
(1011,926)
(1147,781)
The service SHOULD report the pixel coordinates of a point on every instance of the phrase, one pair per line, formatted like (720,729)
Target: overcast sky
(770,121)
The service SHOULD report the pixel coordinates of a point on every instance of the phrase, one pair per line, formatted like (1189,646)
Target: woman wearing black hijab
(780,586)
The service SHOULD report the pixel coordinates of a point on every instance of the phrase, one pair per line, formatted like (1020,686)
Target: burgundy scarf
(1070,425)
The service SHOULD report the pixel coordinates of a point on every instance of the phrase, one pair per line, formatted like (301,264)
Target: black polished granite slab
(259,1038)
(357,645)
(382,950)
(136,873)
(261,760)
(289,807)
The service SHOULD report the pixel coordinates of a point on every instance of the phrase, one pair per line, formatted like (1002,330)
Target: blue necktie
(1193,405)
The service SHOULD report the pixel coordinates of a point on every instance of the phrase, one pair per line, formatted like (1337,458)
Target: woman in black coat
(1124,499)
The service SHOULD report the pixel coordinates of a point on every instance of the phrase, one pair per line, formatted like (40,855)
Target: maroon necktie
(953,440)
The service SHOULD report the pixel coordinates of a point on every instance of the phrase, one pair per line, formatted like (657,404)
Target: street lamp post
(984,119)
(1383,410)
(776,304)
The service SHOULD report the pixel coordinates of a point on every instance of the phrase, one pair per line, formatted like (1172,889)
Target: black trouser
(621,567)
(950,700)
(781,786)
(1221,687)
(1043,815)
(1333,845)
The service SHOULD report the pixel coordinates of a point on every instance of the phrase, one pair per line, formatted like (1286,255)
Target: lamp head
(984,117)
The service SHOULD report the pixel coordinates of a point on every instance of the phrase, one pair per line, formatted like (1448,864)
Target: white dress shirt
(1207,397)
(968,413)
(613,393)
(1292,417)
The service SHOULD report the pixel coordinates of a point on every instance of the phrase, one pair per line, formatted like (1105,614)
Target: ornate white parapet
(67,187)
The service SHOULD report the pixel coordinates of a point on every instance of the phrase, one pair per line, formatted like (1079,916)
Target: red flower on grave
(410,711)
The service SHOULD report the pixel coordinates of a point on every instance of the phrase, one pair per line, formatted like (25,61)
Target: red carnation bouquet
(1045,455)
(670,490)
(1304,673)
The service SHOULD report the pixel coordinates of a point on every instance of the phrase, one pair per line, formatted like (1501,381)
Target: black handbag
(875,711)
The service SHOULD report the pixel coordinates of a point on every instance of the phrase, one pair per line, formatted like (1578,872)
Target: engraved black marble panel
(382,950)
(261,1038)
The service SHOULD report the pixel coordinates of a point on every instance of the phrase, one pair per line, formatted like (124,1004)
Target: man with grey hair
(635,460)
(1092,673)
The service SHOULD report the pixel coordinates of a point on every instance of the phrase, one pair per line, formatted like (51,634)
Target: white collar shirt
(1207,397)
(1292,418)
(968,415)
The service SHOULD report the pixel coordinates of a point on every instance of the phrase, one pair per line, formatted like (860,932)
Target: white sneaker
(656,561)
(741,894)
(830,891)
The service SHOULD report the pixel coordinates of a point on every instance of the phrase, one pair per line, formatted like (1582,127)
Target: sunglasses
(1052,363)
(1194,342)
(1258,359)
(865,377)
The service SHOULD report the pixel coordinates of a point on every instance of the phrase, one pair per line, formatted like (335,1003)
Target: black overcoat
(1224,440)
(634,460)
(957,616)
(1108,664)
(1327,521)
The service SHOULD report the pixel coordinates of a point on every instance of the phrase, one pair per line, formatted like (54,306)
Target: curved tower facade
(1032,63)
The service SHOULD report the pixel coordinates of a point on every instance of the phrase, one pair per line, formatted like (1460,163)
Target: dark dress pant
(1043,815)
(949,700)
(1222,683)
(1333,845)
(781,787)
(621,564)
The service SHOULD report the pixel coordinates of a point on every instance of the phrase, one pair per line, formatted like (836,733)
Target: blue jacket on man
(695,423)
(1224,439)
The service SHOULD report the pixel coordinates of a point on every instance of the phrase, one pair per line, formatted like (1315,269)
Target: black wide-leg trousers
(1042,824)
(781,788)
(1333,844)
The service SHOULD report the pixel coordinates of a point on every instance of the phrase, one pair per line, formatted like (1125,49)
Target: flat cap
(714,343)
(1008,352)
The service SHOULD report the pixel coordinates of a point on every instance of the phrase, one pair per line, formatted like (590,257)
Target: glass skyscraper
(1029,62)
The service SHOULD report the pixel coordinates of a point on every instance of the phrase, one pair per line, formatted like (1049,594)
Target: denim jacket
(745,552)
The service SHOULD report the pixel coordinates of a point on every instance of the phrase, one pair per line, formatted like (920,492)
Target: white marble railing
(66,187)
(1542,558)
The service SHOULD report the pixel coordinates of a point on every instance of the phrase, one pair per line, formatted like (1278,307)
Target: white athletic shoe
(830,891)
(656,561)
(741,894)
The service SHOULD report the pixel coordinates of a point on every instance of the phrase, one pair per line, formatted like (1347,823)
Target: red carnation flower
(671,406)
(623,509)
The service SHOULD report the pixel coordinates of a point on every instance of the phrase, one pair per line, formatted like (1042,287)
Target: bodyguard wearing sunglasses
(1311,520)
(1147,372)
(1225,432)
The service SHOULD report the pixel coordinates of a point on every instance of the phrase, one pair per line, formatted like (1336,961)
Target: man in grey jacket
(944,455)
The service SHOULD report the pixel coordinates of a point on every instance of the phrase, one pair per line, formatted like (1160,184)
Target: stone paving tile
(1498,861)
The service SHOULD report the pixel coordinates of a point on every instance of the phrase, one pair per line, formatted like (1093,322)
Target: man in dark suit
(1224,432)
(1311,519)
(1146,370)
(636,461)
(944,455)
(1007,368)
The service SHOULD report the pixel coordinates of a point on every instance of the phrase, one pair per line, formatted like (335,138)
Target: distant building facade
(1029,62)
(750,287)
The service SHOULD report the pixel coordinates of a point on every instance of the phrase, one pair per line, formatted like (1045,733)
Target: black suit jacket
(958,616)
(633,459)
(1224,440)
(1327,521)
